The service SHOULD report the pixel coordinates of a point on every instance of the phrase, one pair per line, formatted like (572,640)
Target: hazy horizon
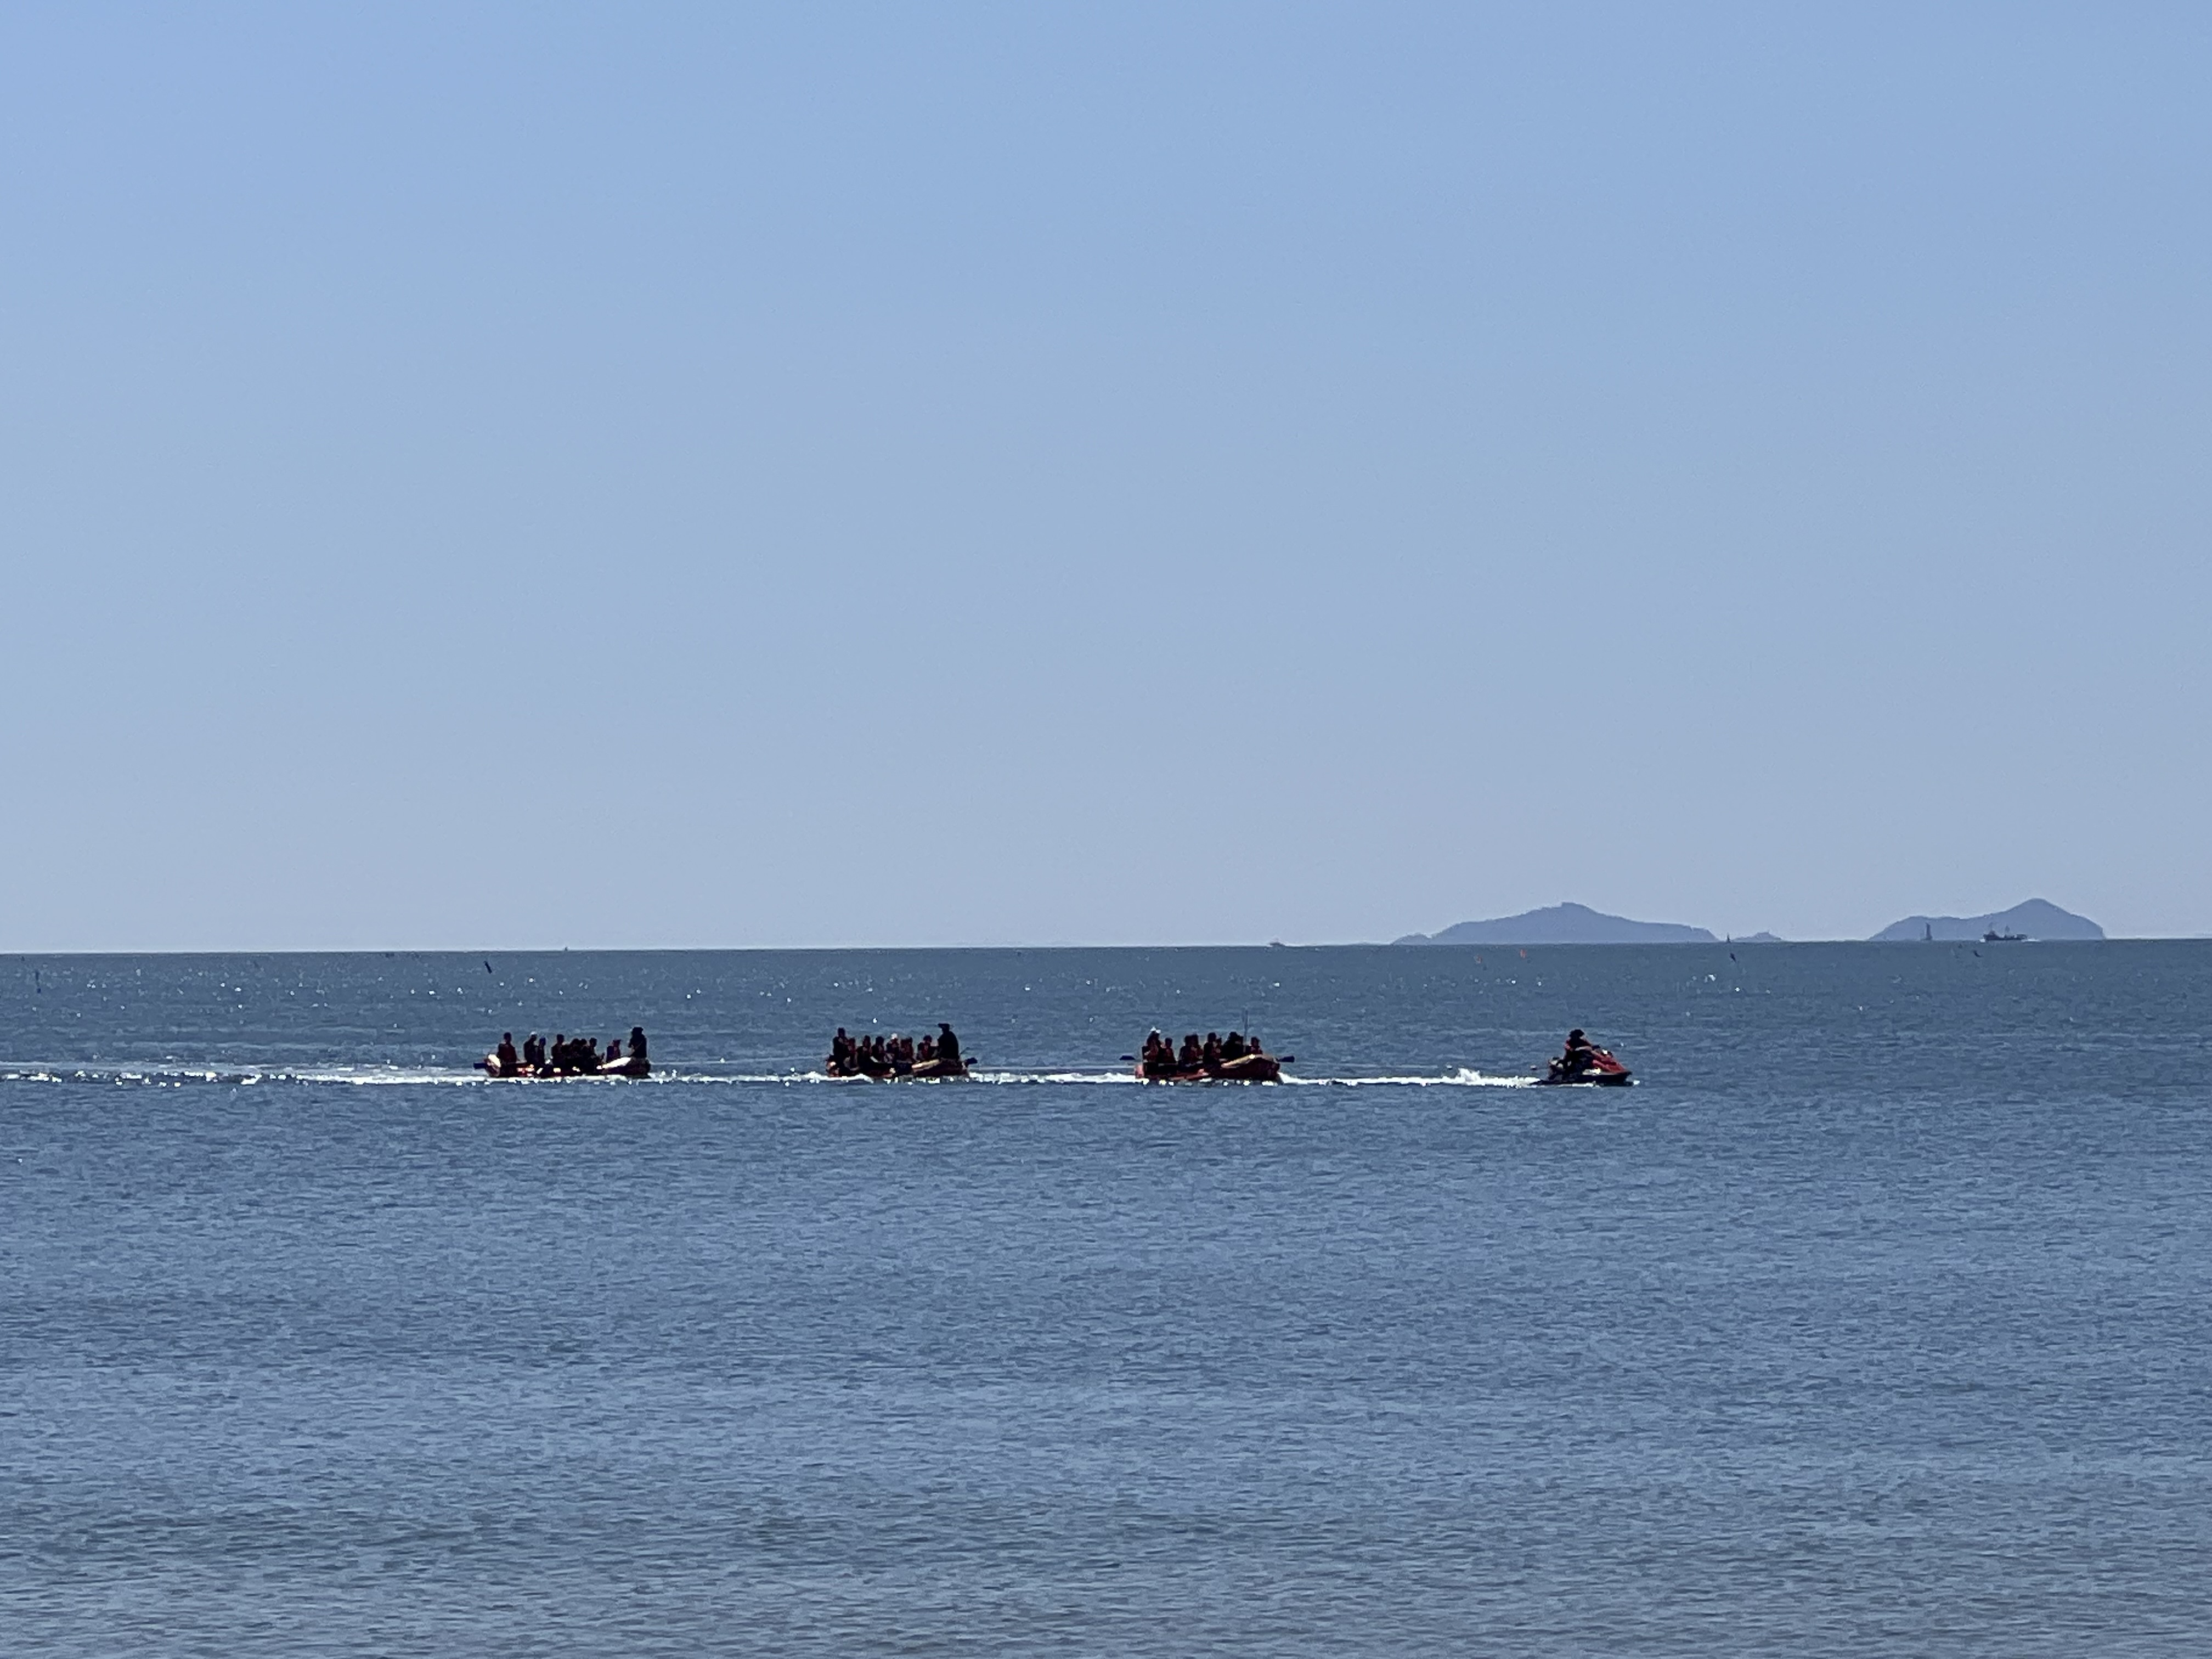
(496,950)
(686,479)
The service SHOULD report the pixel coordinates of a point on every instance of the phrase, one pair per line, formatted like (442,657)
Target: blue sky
(511,477)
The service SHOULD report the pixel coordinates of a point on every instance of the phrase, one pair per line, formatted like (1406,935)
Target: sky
(699,476)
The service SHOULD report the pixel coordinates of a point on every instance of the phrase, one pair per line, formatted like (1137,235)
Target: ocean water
(1877,1320)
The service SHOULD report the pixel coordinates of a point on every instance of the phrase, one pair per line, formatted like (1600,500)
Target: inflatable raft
(635,1066)
(1248,1068)
(921,1068)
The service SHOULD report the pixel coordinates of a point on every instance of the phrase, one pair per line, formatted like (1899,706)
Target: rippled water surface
(1875,1321)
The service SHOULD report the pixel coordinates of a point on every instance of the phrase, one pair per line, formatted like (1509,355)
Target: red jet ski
(1601,1069)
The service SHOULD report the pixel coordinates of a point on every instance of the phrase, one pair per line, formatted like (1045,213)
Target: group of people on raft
(1235,1057)
(566,1056)
(897,1056)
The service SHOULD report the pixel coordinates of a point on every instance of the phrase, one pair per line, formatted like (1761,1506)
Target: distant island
(1578,924)
(1563,924)
(2036,919)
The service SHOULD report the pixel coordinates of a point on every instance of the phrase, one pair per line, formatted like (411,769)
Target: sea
(1875,1319)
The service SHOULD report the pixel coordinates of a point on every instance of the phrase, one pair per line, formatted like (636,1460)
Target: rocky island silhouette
(1578,924)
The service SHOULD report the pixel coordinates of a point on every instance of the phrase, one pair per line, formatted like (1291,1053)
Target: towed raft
(625,1067)
(921,1068)
(887,1060)
(563,1058)
(1239,1059)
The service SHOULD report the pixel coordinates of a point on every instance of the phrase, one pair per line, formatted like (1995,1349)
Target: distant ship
(1993,937)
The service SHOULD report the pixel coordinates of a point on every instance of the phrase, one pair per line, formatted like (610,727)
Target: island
(2035,919)
(1563,924)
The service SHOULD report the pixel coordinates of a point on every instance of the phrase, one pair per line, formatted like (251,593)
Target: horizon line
(483,950)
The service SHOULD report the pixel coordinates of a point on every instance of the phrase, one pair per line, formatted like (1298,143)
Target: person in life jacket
(1579,1055)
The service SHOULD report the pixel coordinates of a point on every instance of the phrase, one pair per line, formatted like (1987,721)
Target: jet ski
(1603,1071)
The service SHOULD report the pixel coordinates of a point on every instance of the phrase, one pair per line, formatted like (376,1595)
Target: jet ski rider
(1579,1055)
